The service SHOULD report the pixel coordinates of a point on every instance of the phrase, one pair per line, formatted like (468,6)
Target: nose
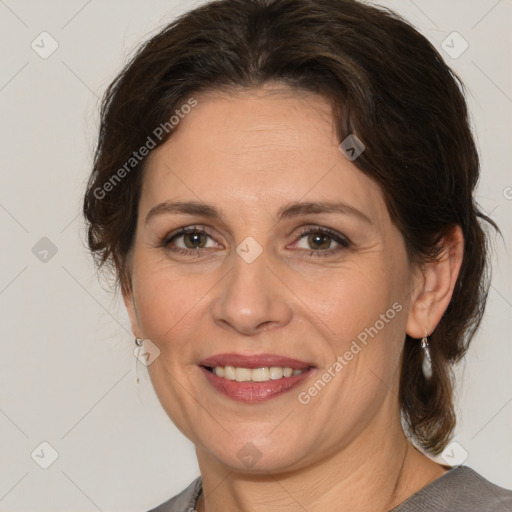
(251,298)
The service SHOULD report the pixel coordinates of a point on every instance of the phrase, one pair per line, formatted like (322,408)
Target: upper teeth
(256,374)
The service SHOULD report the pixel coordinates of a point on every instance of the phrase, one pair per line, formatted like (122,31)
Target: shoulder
(185,501)
(459,490)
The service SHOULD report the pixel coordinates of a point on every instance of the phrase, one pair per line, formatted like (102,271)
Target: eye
(321,241)
(189,239)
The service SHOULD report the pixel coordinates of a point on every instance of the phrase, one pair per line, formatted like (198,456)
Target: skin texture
(248,155)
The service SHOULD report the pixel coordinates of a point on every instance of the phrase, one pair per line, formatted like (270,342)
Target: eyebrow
(288,211)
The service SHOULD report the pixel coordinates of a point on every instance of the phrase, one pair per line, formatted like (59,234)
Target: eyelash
(344,242)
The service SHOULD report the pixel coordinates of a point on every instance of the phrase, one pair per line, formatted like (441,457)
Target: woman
(285,192)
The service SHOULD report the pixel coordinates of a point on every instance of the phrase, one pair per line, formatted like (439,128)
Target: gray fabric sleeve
(459,490)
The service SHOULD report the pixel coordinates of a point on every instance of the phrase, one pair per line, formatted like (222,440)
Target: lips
(250,391)
(254,361)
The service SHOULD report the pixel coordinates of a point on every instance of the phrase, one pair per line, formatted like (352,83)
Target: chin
(253,455)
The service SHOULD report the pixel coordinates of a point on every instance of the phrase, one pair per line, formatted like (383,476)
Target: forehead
(272,145)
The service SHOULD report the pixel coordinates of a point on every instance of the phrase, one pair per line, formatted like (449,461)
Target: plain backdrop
(68,374)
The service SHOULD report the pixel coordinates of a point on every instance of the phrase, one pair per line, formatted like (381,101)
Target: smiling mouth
(254,378)
(245,387)
(263,374)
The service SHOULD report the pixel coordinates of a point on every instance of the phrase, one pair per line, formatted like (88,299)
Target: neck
(363,476)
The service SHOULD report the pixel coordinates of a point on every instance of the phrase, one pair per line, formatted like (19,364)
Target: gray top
(459,490)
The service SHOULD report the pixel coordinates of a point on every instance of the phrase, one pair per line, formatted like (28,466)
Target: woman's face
(289,260)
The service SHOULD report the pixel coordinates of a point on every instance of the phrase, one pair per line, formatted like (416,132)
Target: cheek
(362,314)
(349,300)
(170,308)
(168,305)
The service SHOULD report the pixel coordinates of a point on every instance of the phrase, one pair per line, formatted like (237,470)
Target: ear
(434,287)
(129,302)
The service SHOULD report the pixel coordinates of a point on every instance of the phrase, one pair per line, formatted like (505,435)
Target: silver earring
(427,360)
(139,342)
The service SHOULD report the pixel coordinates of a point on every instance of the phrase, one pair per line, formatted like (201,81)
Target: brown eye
(320,241)
(194,240)
(189,239)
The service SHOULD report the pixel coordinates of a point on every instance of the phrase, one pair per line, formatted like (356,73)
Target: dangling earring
(427,360)
(139,342)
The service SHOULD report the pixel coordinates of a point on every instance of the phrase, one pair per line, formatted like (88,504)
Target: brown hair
(386,83)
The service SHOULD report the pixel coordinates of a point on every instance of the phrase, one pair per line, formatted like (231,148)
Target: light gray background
(67,367)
